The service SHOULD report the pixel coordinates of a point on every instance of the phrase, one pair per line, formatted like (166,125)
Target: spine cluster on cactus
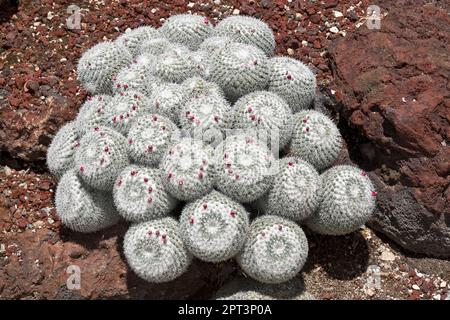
(214,43)
(293,81)
(348,201)
(265,111)
(316,139)
(61,152)
(214,227)
(174,65)
(248,30)
(244,168)
(239,69)
(97,66)
(101,156)
(188,170)
(166,100)
(275,251)
(82,209)
(149,137)
(188,29)
(124,108)
(296,190)
(155,250)
(134,39)
(92,113)
(140,196)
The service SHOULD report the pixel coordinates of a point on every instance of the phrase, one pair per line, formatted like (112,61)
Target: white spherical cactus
(214,227)
(61,151)
(155,46)
(134,39)
(249,30)
(124,108)
(187,29)
(296,190)
(348,201)
(239,69)
(140,196)
(266,113)
(149,137)
(206,117)
(137,76)
(275,251)
(101,156)
(316,139)
(188,170)
(81,208)
(174,64)
(293,81)
(244,168)
(155,251)
(166,100)
(92,113)
(98,65)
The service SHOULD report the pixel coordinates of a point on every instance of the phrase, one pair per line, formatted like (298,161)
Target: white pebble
(415,287)
(236,11)
(334,30)
(337,14)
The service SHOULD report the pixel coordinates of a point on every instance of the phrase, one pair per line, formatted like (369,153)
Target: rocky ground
(39,92)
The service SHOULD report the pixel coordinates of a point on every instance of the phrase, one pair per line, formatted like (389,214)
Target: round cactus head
(155,46)
(296,190)
(239,69)
(98,65)
(100,157)
(133,39)
(248,30)
(293,81)
(174,64)
(81,208)
(206,117)
(315,138)
(166,100)
(124,108)
(149,137)
(275,251)
(92,113)
(61,151)
(140,196)
(137,76)
(244,168)
(348,201)
(188,169)
(214,227)
(187,29)
(266,113)
(155,251)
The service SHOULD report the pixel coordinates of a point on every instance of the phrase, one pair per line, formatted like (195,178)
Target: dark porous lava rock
(394,89)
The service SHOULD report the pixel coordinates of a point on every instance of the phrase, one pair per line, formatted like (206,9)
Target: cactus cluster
(185,125)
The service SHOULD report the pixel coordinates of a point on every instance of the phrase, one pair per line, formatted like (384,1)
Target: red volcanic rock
(395,92)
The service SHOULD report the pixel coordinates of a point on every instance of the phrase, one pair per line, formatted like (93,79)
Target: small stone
(50,15)
(236,11)
(415,287)
(50,221)
(22,223)
(370,292)
(2,248)
(191,4)
(337,14)
(387,256)
(443,284)
(437,297)
(334,30)
(290,51)
(304,43)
